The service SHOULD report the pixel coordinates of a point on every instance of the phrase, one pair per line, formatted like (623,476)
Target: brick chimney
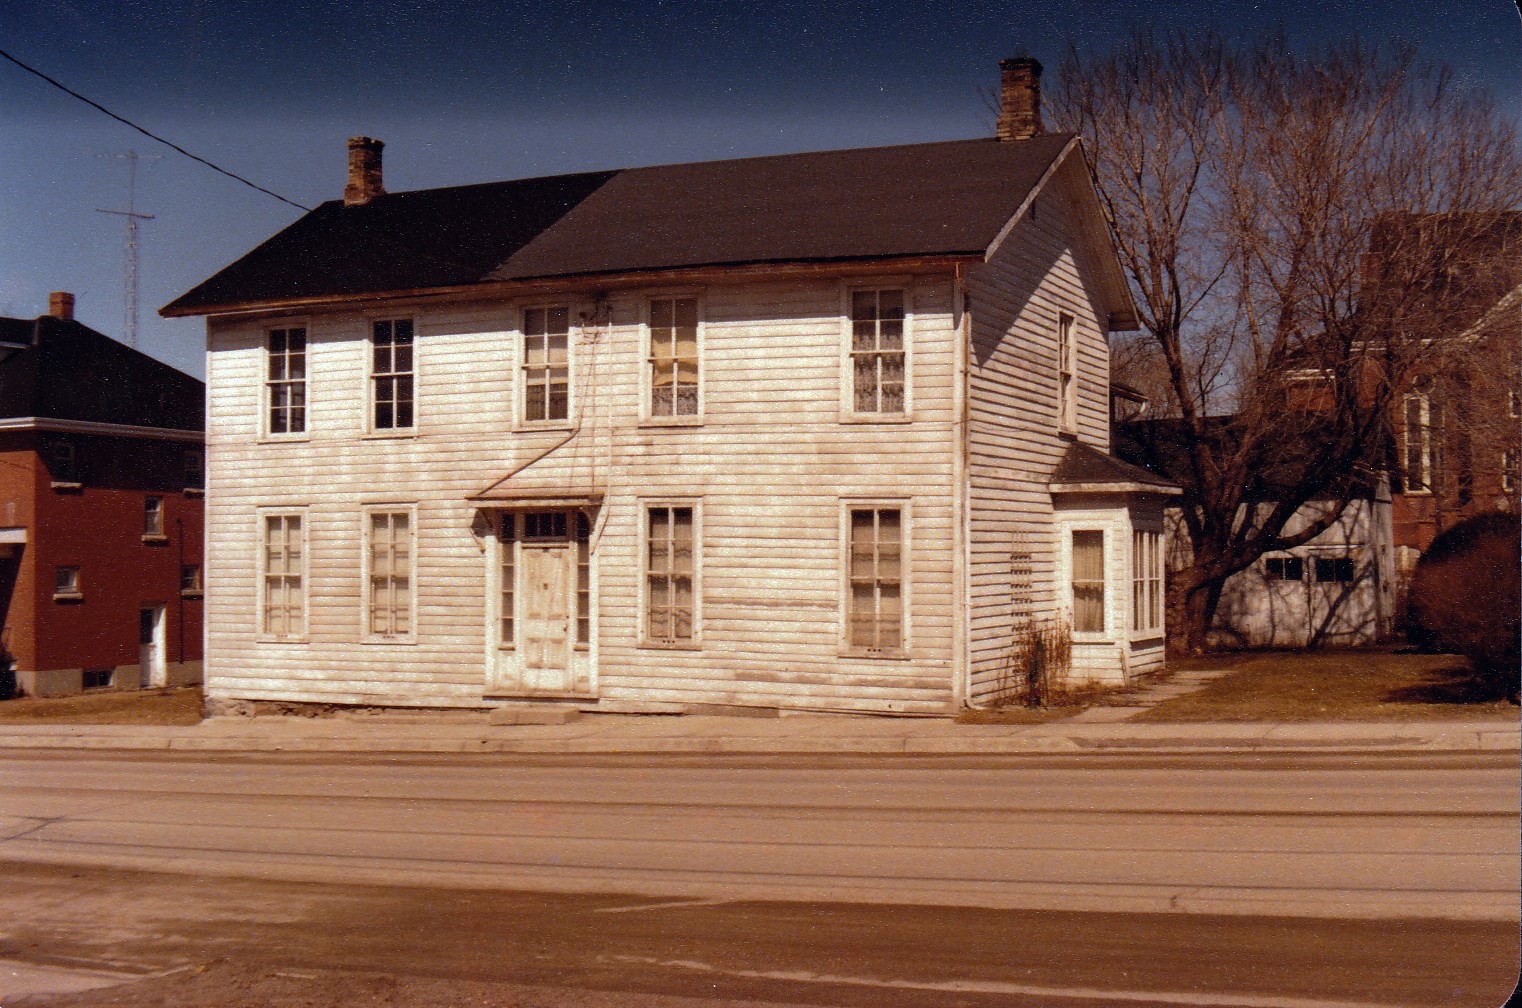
(61,304)
(1019,98)
(364,171)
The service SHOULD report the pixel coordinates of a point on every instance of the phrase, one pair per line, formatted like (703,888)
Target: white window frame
(647,357)
(1147,576)
(1428,448)
(375,377)
(646,505)
(905,511)
(521,383)
(1067,372)
(153,518)
(303,575)
(367,546)
(848,411)
(268,384)
(1107,634)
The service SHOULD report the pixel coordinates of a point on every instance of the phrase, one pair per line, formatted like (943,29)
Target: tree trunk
(1192,603)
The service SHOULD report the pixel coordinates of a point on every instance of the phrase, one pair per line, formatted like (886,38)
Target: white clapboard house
(812,432)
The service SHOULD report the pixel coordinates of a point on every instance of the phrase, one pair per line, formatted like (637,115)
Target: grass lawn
(1364,685)
(180,706)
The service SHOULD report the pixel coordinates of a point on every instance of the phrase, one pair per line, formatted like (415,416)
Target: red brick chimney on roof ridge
(364,171)
(1019,99)
(61,305)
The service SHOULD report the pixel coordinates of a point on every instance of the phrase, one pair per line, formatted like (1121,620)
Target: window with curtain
(1088,581)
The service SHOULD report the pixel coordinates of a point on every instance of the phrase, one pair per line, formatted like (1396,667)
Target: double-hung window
(1088,581)
(875,572)
(1067,372)
(546,361)
(879,364)
(670,575)
(389,557)
(672,361)
(153,517)
(283,603)
(286,380)
(1423,435)
(391,374)
(1146,581)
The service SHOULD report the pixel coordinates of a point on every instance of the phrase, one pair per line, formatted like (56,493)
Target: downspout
(961,672)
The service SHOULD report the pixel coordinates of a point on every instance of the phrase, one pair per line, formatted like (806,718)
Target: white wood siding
(1013,442)
(769,464)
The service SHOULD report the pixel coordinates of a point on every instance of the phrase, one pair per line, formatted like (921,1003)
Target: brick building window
(66,582)
(194,462)
(153,517)
(190,579)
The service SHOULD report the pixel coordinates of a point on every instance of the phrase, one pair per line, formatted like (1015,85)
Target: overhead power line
(152,136)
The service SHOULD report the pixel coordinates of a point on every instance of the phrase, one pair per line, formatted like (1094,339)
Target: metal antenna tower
(132,216)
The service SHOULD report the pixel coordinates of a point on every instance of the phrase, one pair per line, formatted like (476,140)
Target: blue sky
(478,90)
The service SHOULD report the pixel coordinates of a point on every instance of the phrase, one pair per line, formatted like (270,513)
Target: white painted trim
(642,636)
(260,516)
(102,429)
(848,411)
(903,505)
(13,535)
(369,368)
(367,635)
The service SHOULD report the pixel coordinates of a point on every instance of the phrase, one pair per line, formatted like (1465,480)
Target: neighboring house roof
(1159,445)
(1085,469)
(60,370)
(953,198)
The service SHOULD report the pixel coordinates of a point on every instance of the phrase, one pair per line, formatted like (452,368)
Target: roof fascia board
(1080,488)
(1093,227)
(103,429)
(598,281)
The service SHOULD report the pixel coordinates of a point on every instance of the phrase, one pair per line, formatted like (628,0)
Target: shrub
(1465,597)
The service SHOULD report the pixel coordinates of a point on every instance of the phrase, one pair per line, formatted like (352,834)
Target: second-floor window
(879,372)
(673,360)
(391,374)
(153,516)
(193,461)
(286,380)
(546,364)
(63,462)
(1067,373)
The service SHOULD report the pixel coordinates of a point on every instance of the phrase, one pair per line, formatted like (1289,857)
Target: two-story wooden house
(100,510)
(815,432)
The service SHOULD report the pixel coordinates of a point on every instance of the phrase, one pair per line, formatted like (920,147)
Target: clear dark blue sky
(478,90)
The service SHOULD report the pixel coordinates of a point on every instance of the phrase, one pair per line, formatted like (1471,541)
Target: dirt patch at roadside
(178,706)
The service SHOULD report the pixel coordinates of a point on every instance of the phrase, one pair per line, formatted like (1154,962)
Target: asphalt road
(1373,836)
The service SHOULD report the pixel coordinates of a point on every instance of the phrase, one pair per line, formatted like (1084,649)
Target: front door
(544,582)
(150,650)
(541,619)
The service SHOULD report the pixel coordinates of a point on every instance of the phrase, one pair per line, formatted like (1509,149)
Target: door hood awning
(507,497)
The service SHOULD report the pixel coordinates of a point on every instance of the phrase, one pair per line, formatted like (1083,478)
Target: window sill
(407,640)
(870,655)
(877,418)
(1093,638)
(1147,637)
(189,594)
(264,639)
(651,645)
(67,486)
(680,421)
(155,539)
(404,434)
(68,597)
(194,491)
(301,438)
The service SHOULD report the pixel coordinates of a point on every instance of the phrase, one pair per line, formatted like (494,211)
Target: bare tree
(1281,216)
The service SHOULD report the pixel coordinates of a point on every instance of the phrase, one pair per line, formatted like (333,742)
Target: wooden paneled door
(540,639)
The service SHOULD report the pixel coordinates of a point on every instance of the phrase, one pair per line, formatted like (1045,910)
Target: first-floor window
(670,562)
(1088,581)
(390,559)
(66,581)
(1334,570)
(284,575)
(875,606)
(190,579)
(1146,580)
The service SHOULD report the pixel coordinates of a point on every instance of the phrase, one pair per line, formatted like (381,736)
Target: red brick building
(101,476)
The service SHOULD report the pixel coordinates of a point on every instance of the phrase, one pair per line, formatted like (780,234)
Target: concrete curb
(739,736)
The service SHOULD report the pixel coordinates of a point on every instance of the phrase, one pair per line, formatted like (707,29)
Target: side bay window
(285,385)
(1087,567)
(546,364)
(1146,582)
(878,360)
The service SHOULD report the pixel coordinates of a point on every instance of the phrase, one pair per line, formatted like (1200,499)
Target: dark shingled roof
(63,370)
(1086,465)
(882,202)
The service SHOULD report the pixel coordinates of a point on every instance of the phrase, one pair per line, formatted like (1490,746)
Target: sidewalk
(789,735)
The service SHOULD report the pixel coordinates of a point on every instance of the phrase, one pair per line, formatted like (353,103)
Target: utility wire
(151,136)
